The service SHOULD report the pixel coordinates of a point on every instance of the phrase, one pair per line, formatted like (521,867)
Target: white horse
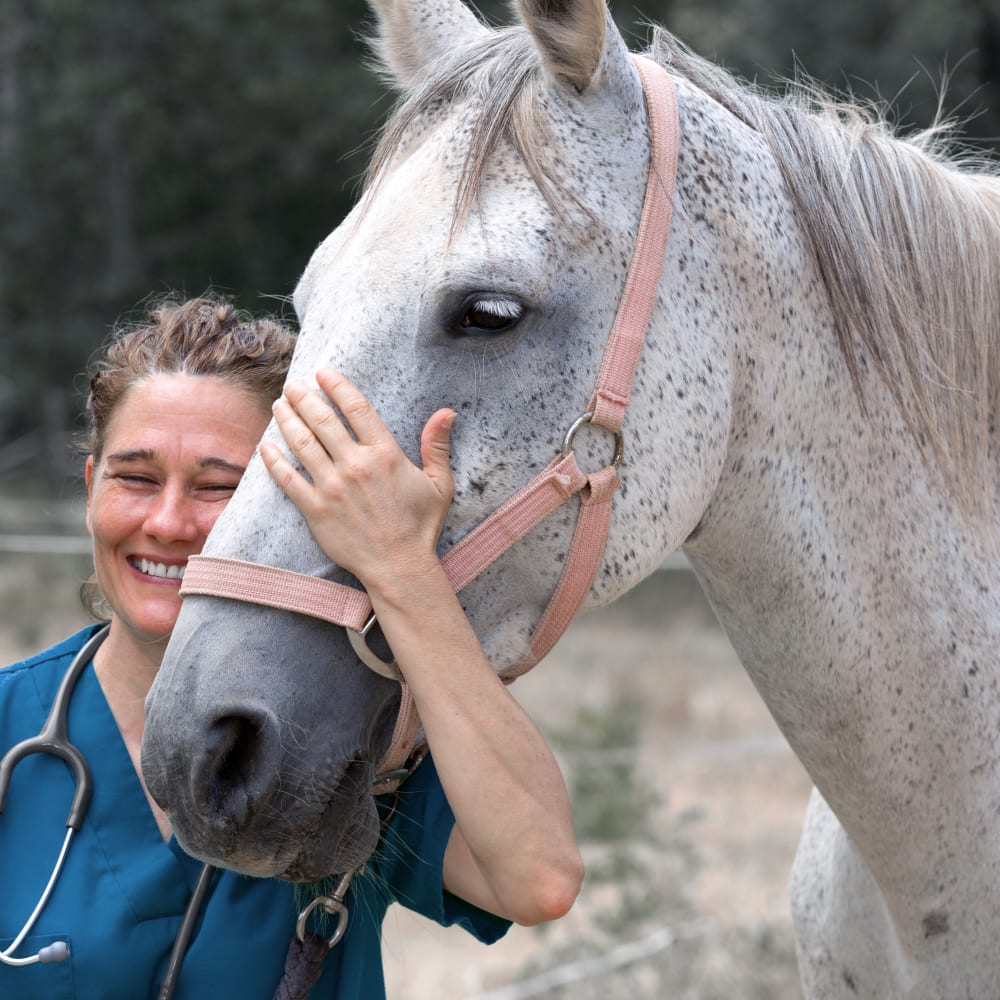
(814,420)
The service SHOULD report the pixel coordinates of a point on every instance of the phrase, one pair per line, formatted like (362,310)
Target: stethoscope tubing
(184,932)
(53,739)
(7,955)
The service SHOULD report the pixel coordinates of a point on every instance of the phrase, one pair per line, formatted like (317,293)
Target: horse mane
(905,233)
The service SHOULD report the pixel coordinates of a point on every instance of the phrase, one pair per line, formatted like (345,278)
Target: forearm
(377,515)
(501,779)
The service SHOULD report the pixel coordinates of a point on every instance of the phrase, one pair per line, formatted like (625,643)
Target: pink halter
(346,606)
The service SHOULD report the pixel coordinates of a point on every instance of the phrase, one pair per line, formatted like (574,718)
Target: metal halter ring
(567,446)
(359,643)
(334,905)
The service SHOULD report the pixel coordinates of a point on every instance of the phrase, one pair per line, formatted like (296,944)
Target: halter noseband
(214,576)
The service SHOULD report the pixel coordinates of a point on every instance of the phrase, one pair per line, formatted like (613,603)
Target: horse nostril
(239,766)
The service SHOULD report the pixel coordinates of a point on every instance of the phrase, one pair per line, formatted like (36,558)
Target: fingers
(360,415)
(435,451)
(285,475)
(307,422)
(316,434)
(308,430)
(302,413)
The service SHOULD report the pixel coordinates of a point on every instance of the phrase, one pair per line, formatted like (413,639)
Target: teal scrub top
(120,898)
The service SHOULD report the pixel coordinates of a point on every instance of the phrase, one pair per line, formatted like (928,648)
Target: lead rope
(307,950)
(303,967)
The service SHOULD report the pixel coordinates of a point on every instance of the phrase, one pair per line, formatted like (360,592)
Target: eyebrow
(222,464)
(135,455)
(145,455)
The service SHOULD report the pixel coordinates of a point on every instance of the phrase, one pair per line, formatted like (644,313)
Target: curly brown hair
(202,336)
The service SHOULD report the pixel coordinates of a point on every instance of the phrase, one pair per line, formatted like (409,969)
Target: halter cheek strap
(562,479)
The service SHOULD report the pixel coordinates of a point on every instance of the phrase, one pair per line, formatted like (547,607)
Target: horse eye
(490,315)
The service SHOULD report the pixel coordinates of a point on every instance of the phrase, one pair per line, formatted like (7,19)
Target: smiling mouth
(157,570)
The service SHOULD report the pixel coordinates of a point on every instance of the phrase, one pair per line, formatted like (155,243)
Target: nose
(172,516)
(237,768)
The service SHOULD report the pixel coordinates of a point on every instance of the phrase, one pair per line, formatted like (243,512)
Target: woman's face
(175,450)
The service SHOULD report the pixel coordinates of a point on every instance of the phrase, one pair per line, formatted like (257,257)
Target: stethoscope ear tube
(66,752)
(54,738)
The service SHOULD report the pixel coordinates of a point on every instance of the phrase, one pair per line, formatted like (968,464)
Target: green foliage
(906,53)
(614,805)
(639,864)
(609,803)
(174,144)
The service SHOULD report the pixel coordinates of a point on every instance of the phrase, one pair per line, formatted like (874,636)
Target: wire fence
(78,544)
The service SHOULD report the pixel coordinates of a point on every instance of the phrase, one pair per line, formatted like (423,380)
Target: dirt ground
(688,804)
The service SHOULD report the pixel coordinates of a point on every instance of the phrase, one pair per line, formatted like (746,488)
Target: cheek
(113,516)
(106,518)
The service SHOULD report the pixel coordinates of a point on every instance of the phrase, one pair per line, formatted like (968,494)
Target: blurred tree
(910,54)
(164,145)
(183,143)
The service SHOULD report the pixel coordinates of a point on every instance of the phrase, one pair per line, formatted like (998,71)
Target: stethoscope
(54,739)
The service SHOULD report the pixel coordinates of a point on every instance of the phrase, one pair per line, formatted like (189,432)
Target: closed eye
(221,489)
(489,314)
(135,478)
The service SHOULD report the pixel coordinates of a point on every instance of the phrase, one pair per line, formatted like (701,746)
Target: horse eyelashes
(492,314)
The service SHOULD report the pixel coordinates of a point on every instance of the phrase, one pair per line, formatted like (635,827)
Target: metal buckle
(400,774)
(334,905)
(359,643)
(567,446)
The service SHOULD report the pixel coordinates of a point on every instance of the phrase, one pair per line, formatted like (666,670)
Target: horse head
(481,269)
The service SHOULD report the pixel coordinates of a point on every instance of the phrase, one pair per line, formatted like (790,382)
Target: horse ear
(412,35)
(570,35)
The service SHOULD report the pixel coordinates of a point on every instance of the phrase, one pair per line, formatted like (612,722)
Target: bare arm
(375,513)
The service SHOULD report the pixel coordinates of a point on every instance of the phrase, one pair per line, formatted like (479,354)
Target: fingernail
(449,420)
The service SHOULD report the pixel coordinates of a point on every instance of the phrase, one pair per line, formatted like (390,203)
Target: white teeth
(158,569)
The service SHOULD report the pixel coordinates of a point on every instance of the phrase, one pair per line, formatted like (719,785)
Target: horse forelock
(500,79)
(907,239)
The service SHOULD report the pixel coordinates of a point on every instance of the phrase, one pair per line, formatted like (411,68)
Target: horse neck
(845,577)
(827,536)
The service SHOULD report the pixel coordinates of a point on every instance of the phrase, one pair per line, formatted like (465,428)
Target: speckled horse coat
(813,421)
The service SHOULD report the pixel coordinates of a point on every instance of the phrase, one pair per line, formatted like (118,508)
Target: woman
(175,411)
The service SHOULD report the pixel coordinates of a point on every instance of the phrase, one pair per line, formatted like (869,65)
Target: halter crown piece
(351,608)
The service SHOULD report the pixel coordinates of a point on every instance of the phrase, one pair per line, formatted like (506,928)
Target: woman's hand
(371,510)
